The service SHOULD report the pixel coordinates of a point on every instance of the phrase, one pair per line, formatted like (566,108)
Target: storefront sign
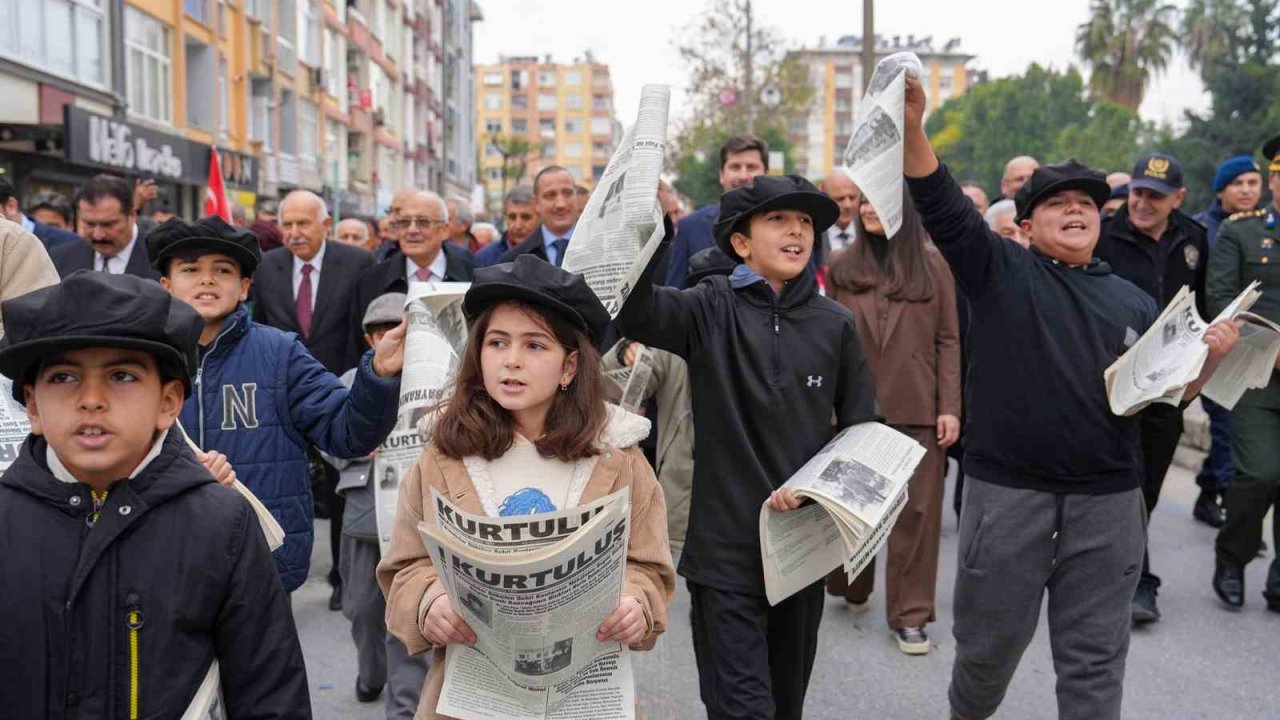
(129,149)
(238,170)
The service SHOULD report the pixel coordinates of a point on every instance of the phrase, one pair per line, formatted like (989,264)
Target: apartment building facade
(563,111)
(348,99)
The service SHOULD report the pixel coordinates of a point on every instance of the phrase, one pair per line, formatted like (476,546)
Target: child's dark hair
(191,255)
(473,424)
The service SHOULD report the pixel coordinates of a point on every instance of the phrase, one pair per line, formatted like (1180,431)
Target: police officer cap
(1159,172)
(772,192)
(176,238)
(533,280)
(1049,180)
(1271,151)
(97,309)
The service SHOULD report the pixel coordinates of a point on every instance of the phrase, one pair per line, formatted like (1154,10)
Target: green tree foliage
(698,165)
(1124,43)
(1110,140)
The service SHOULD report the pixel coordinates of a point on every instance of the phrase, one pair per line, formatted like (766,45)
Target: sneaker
(1273,602)
(912,641)
(1143,609)
(1207,511)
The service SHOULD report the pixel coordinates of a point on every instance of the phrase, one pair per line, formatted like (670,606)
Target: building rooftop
(852,44)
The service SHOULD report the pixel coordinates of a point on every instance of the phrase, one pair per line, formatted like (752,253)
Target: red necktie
(422,274)
(304,301)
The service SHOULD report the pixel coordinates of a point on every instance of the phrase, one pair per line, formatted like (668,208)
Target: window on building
(601,126)
(573,126)
(844,127)
(548,150)
(798,126)
(307,129)
(600,102)
(493,127)
(309,33)
(547,127)
(150,70)
(66,37)
(573,101)
(597,171)
(202,79)
(547,77)
(335,141)
(575,171)
(520,102)
(844,103)
(572,77)
(493,101)
(287,35)
(260,112)
(844,76)
(547,101)
(600,148)
(335,54)
(945,84)
(494,174)
(572,149)
(519,127)
(288,123)
(195,9)
(519,79)
(258,9)
(493,78)
(224,98)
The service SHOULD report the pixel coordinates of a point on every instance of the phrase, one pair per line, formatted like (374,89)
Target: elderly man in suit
(107,220)
(48,235)
(308,287)
(555,201)
(422,226)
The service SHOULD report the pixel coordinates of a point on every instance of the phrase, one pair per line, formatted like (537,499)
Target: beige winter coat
(24,264)
(408,577)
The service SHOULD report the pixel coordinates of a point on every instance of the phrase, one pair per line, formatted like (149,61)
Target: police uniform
(1248,249)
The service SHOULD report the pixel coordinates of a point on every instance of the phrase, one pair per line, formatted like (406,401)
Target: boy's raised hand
(218,466)
(918,159)
(388,354)
(444,626)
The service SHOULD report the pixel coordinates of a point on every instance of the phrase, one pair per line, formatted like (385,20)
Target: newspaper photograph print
(14,426)
(873,157)
(621,226)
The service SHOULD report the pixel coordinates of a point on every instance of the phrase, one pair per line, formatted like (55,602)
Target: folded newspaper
(621,226)
(270,527)
(1171,354)
(858,486)
(535,589)
(873,157)
(433,347)
(14,426)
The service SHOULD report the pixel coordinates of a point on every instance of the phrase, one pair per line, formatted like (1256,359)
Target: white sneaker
(912,641)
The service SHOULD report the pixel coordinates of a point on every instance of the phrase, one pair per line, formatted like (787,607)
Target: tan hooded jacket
(408,577)
(24,263)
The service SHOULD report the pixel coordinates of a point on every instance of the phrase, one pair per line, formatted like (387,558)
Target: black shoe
(1273,602)
(1207,511)
(366,694)
(1228,583)
(335,600)
(1143,609)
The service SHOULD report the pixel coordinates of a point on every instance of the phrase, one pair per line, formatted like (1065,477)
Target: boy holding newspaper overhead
(770,362)
(525,432)
(128,569)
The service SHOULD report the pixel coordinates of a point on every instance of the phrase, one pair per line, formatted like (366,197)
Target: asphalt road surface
(1199,661)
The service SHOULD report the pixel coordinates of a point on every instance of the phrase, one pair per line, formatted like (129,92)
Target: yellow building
(818,138)
(563,110)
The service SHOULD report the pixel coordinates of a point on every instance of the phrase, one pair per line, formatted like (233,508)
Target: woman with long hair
(527,430)
(903,300)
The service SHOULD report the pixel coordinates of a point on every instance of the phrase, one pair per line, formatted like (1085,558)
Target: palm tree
(1124,43)
(1213,30)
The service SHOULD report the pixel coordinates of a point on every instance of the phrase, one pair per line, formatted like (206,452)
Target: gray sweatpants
(381,659)
(1086,550)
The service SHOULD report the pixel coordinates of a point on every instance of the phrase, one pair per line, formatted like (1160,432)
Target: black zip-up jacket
(1041,335)
(176,566)
(766,374)
(1159,268)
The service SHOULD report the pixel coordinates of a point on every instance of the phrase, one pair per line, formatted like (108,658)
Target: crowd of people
(159,358)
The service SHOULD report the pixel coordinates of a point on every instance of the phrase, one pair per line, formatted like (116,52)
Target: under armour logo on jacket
(814,381)
(240,404)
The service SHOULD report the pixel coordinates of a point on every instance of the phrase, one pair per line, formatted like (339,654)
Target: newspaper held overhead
(621,226)
(433,345)
(858,486)
(873,158)
(14,426)
(535,589)
(1171,354)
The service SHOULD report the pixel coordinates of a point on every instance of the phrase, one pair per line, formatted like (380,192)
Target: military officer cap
(1272,152)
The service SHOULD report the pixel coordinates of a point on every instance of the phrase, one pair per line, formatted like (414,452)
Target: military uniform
(1248,249)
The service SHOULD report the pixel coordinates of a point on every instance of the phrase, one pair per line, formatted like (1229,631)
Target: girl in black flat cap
(527,430)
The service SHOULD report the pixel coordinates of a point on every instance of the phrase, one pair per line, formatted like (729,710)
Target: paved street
(1200,661)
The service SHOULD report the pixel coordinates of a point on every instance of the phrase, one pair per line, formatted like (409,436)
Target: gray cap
(384,310)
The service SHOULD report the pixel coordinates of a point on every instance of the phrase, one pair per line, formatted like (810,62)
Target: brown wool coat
(913,348)
(407,575)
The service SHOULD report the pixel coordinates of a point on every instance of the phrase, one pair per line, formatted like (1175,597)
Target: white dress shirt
(437,268)
(315,263)
(117,264)
(835,243)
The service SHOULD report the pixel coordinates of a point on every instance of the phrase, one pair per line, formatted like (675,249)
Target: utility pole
(868,43)
(748,90)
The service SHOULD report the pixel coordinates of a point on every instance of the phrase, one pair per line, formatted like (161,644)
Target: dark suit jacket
(913,350)
(330,340)
(52,236)
(388,276)
(534,245)
(80,255)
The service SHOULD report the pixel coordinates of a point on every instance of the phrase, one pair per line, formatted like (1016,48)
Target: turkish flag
(215,198)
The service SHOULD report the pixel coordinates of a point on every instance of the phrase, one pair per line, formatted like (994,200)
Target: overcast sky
(637,39)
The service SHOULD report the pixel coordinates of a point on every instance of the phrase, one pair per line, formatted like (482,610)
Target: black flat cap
(1049,180)
(96,309)
(174,237)
(708,262)
(1271,151)
(534,280)
(772,192)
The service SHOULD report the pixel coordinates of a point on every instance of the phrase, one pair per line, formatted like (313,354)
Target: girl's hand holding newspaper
(626,624)
(442,625)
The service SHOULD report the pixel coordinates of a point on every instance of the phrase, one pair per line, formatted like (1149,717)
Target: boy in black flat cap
(127,569)
(260,398)
(770,360)
(1052,502)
